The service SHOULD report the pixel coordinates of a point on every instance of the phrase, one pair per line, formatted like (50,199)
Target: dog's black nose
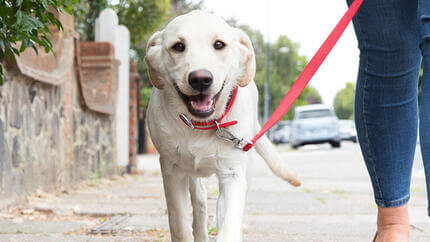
(200,80)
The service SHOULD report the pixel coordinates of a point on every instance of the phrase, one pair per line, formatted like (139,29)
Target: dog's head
(200,59)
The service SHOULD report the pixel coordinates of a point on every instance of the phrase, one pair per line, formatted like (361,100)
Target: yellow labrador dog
(198,65)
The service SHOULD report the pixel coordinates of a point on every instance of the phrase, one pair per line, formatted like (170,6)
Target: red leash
(307,73)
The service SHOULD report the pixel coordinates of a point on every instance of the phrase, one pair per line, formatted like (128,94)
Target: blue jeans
(394,39)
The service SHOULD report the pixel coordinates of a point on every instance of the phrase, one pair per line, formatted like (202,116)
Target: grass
(307,190)
(95,179)
(339,192)
(213,230)
(154,229)
(216,193)
(104,219)
(322,200)
(96,175)
(418,189)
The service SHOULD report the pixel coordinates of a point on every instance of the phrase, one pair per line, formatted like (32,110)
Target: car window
(314,114)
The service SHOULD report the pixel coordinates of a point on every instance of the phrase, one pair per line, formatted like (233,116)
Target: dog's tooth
(203,104)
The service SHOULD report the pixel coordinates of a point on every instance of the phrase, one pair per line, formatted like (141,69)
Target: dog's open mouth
(201,105)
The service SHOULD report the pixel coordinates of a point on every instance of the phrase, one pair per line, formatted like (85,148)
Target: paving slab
(19,226)
(335,203)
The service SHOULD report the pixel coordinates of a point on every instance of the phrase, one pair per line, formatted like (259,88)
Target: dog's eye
(218,45)
(179,47)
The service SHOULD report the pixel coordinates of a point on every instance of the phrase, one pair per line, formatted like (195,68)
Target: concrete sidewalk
(334,204)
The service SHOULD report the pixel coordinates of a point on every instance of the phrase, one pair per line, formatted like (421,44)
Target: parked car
(347,130)
(314,124)
(281,134)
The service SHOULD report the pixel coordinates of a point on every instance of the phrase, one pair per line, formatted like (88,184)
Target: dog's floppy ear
(153,59)
(247,61)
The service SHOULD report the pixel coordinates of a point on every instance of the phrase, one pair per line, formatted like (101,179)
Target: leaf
(1,74)
(2,46)
(26,24)
(59,24)
(15,50)
(54,20)
(47,41)
(23,46)
(18,17)
(36,22)
(45,4)
(35,49)
(18,3)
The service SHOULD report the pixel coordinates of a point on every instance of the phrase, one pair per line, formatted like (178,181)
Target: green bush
(344,102)
(25,23)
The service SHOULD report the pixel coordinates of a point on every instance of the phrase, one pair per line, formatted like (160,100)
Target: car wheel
(295,147)
(335,144)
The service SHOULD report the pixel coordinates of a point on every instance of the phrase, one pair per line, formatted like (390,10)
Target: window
(314,114)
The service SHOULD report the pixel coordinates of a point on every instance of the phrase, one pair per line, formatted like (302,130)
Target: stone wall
(51,134)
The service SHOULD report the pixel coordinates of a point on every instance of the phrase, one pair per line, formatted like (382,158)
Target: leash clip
(186,120)
(226,135)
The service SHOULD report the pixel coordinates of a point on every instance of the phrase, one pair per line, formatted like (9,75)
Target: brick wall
(56,117)
(134,115)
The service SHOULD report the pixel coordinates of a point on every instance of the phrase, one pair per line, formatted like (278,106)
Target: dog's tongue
(202,102)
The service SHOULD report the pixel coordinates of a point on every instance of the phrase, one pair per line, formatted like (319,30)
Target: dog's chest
(199,157)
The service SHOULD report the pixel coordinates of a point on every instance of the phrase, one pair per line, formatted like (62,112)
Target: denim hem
(395,203)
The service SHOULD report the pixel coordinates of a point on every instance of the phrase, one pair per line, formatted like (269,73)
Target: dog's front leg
(231,203)
(177,197)
(199,202)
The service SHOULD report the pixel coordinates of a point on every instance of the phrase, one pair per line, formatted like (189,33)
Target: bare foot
(393,224)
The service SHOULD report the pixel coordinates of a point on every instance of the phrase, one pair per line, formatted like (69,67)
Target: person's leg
(393,224)
(424,17)
(386,104)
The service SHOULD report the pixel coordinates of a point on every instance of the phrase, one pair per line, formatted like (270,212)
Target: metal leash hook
(186,120)
(226,135)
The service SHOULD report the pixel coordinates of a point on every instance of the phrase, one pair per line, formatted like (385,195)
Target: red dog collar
(212,124)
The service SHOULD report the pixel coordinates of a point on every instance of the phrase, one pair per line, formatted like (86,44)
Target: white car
(314,124)
(281,134)
(347,130)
